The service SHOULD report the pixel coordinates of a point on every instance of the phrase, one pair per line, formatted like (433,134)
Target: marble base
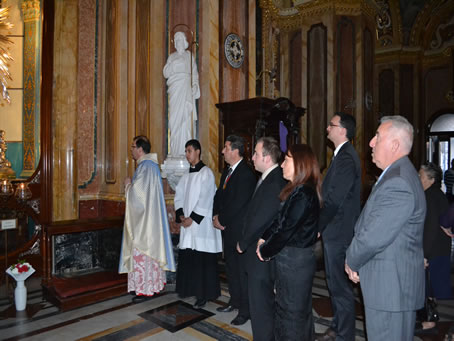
(173,169)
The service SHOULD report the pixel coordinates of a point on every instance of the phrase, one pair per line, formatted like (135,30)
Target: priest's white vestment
(147,246)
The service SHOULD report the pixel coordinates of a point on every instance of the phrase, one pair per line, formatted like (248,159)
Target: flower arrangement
(20,267)
(21,270)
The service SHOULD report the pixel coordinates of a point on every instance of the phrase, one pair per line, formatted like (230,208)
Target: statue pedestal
(173,169)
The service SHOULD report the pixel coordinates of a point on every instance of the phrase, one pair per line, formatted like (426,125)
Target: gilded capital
(31,10)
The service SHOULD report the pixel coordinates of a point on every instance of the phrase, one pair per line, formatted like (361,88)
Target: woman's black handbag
(430,305)
(431,310)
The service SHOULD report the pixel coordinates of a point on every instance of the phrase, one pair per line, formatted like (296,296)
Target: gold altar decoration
(5,165)
(5,56)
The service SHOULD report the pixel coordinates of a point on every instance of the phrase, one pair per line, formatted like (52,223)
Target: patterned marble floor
(164,317)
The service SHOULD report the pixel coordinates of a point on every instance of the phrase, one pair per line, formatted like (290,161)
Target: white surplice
(194,193)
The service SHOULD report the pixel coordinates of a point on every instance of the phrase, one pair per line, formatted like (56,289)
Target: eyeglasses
(133,147)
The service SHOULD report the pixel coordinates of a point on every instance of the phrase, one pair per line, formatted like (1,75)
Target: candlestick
(23,193)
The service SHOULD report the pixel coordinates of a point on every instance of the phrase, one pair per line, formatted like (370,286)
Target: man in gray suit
(386,252)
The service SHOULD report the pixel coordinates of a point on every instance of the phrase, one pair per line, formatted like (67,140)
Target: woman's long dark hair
(306,170)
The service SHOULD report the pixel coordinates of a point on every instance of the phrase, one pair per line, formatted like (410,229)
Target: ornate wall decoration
(384,23)
(31,12)
(292,18)
(444,34)
(427,21)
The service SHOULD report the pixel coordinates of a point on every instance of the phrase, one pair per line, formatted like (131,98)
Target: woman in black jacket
(291,238)
(436,244)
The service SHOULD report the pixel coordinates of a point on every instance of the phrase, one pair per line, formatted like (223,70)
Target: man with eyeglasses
(146,247)
(341,208)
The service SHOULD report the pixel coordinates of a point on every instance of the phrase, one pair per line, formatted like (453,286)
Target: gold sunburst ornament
(5,55)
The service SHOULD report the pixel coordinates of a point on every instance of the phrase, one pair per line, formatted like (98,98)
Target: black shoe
(226,309)
(239,320)
(419,330)
(328,335)
(140,298)
(200,303)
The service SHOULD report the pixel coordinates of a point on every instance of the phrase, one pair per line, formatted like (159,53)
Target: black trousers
(295,269)
(260,279)
(236,276)
(341,291)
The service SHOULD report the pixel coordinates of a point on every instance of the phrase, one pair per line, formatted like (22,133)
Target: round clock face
(234,51)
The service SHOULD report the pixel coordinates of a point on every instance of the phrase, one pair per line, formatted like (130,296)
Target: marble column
(64,115)
(209,83)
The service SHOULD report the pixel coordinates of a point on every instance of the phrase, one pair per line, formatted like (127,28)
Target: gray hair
(433,171)
(401,128)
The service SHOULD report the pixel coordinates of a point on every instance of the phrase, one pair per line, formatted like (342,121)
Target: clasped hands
(186,221)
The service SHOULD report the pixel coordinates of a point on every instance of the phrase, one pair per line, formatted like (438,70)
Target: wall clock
(233,50)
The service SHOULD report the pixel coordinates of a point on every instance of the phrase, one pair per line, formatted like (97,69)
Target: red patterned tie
(229,174)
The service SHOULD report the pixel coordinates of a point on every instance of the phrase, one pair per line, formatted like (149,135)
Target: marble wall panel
(317,91)
(111,110)
(87,116)
(64,115)
(157,87)
(209,82)
(143,62)
(234,81)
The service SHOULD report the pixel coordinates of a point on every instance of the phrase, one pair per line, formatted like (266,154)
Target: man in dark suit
(262,208)
(386,253)
(341,207)
(230,203)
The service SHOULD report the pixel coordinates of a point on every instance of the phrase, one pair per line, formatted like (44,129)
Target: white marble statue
(183,90)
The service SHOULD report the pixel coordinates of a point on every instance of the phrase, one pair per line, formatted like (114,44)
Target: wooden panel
(317,91)
(143,63)
(111,89)
(386,92)
(406,92)
(345,63)
(370,118)
(437,82)
(296,68)
(45,167)
(406,107)
(182,12)
(233,19)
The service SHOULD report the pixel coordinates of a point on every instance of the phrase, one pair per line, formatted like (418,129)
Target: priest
(200,242)
(147,247)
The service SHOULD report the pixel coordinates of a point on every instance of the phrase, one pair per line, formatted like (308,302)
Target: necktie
(227,178)
(258,185)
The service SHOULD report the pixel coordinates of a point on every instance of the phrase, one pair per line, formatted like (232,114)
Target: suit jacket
(230,204)
(387,247)
(436,242)
(341,196)
(262,208)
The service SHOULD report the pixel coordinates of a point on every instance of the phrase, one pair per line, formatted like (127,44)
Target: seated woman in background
(291,238)
(437,245)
